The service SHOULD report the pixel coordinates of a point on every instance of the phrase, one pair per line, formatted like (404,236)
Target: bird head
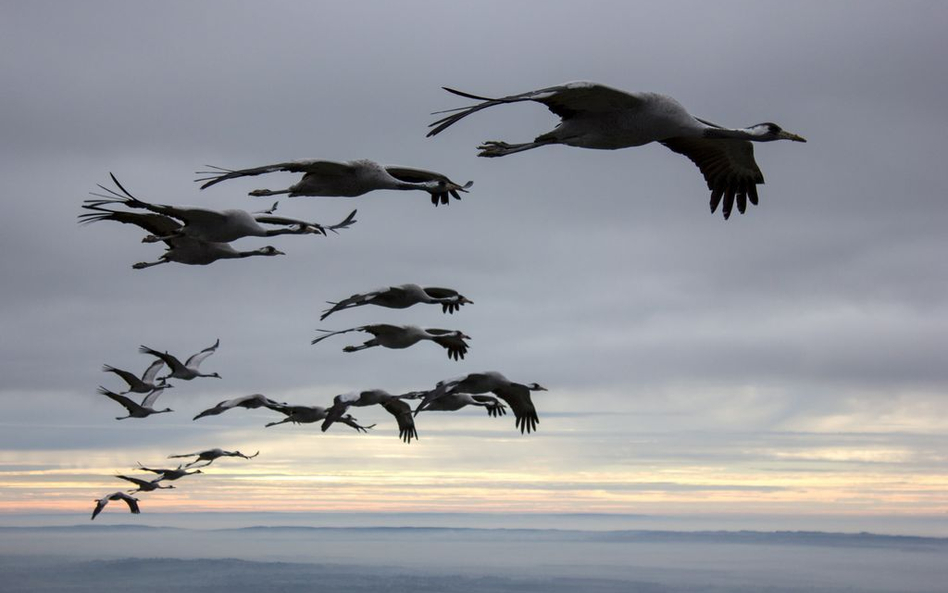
(536,387)
(270,250)
(771,131)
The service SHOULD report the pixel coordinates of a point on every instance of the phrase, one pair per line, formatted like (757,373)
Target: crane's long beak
(785,135)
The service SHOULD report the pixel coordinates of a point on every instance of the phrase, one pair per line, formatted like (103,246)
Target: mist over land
(106,557)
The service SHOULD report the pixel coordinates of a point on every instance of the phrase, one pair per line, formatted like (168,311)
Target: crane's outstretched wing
(445,189)
(328,333)
(156,224)
(404,418)
(126,376)
(152,397)
(319,167)
(495,409)
(447,293)
(518,398)
(126,402)
(134,480)
(195,360)
(152,371)
(565,100)
(358,299)
(728,166)
(454,344)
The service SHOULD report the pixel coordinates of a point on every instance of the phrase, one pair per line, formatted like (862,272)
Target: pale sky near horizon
(790,360)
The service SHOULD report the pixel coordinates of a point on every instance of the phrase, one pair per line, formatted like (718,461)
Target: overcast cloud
(807,335)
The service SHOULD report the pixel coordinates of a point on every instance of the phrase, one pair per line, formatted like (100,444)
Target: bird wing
(172,362)
(328,333)
(126,402)
(134,480)
(203,215)
(494,407)
(195,360)
(455,345)
(156,224)
(152,397)
(727,165)
(565,100)
(126,376)
(357,300)
(439,195)
(152,371)
(404,418)
(99,505)
(131,501)
(313,166)
(153,470)
(450,306)
(518,398)
(379,329)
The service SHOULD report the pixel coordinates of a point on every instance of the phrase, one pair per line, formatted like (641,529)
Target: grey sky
(669,338)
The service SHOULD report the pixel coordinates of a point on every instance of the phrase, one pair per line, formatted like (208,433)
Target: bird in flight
(402,297)
(130,500)
(596,116)
(345,179)
(403,336)
(187,370)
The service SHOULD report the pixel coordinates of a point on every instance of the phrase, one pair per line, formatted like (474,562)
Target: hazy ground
(102,557)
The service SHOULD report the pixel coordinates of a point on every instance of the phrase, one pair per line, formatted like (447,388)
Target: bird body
(187,370)
(212,226)
(210,455)
(249,402)
(180,248)
(144,385)
(402,297)
(516,395)
(451,402)
(404,336)
(346,179)
(144,485)
(130,500)
(600,117)
(393,404)
(136,410)
(170,474)
(311,414)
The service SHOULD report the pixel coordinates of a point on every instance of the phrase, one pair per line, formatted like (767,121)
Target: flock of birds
(591,116)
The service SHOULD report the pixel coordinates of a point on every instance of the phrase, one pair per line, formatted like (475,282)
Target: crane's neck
(754,133)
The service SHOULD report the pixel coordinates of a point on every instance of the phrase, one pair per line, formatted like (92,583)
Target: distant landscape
(103,557)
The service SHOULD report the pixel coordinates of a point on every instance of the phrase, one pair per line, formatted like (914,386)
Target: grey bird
(146,384)
(210,455)
(404,336)
(248,402)
(402,297)
(100,503)
(136,410)
(516,395)
(346,179)
(596,116)
(188,369)
(393,404)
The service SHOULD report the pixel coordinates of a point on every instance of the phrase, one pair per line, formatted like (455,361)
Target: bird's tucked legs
(144,264)
(267,192)
(357,348)
(493,148)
